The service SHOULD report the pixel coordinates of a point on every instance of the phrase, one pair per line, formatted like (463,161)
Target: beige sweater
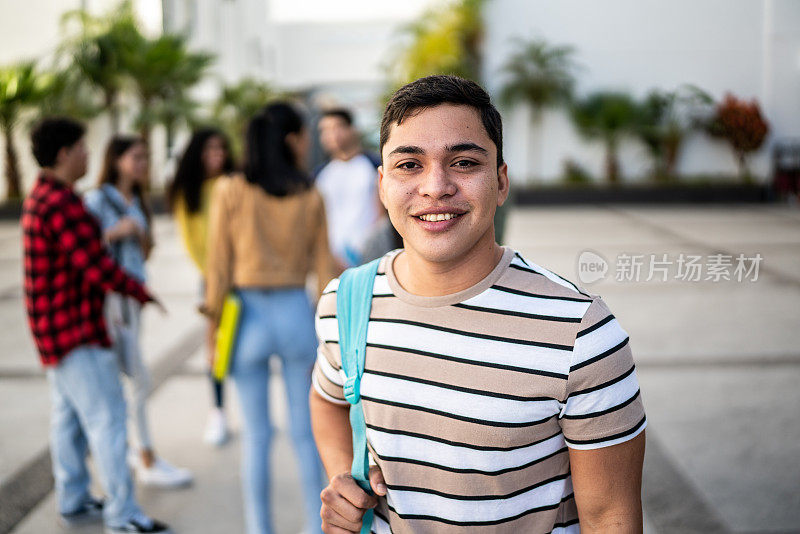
(256,240)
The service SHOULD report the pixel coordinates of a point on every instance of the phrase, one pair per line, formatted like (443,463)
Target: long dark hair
(116,148)
(189,177)
(269,160)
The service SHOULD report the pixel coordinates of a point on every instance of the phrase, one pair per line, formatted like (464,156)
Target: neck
(58,176)
(125,186)
(432,279)
(347,155)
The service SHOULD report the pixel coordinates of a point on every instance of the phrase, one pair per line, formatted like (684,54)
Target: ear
(503,184)
(380,187)
(61,155)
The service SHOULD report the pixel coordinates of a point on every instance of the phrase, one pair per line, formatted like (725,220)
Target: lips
(439,219)
(435,217)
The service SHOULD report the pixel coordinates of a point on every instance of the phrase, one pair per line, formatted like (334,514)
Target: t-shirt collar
(452,298)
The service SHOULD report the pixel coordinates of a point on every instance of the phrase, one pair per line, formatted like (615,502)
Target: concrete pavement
(718,364)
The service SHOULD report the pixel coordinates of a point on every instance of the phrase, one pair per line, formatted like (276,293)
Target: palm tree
(67,94)
(97,52)
(237,104)
(666,118)
(608,117)
(541,76)
(21,87)
(163,71)
(445,39)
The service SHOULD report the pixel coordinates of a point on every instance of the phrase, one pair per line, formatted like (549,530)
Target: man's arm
(343,500)
(78,236)
(608,486)
(331,426)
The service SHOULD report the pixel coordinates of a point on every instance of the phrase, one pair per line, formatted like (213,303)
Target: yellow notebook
(226,335)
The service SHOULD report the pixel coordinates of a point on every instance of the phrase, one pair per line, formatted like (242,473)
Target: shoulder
(327,301)
(313,196)
(93,197)
(226,186)
(373,158)
(525,275)
(365,164)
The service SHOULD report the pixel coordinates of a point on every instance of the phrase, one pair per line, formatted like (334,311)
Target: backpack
(353,305)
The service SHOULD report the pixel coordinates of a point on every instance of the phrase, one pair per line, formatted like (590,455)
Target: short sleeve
(603,404)
(327,377)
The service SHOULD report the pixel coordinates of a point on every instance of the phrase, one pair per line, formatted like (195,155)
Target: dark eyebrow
(460,147)
(407,149)
(467,147)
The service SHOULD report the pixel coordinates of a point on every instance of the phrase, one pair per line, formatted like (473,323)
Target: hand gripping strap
(353,305)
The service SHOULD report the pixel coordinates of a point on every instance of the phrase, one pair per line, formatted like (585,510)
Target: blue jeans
(280,322)
(88,413)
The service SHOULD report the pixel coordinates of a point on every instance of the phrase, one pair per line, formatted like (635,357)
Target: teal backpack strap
(353,305)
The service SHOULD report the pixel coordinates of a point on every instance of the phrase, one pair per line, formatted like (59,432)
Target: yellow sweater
(193,227)
(257,240)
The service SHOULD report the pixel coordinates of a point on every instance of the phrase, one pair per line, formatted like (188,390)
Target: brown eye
(407,165)
(465,163)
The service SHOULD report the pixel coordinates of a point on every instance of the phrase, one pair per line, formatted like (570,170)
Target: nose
(436,183)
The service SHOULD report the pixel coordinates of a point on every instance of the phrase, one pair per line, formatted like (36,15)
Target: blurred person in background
(67,274)
(348,183)
(267,233)
(119,205)
(206,159)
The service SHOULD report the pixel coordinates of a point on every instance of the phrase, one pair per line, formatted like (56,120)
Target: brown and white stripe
(472,400)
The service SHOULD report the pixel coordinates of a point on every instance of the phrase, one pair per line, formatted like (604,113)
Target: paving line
(670,500)
(778,276)
(26,488)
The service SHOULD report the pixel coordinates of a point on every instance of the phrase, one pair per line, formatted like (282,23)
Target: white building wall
(31,30)
(747,47)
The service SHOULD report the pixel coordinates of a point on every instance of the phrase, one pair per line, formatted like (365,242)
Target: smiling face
(441,184)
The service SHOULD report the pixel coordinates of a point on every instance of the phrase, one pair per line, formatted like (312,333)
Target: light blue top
(109,208)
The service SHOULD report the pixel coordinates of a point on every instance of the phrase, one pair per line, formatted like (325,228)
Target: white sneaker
(162,474)
(216,428)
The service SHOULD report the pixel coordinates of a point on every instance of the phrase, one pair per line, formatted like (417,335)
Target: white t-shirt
(349,189)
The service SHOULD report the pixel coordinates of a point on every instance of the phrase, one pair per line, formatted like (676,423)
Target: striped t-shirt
(471,399)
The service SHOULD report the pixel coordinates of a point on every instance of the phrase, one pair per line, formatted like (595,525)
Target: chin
(440,251)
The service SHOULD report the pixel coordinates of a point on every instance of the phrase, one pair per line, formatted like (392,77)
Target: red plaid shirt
(67,272)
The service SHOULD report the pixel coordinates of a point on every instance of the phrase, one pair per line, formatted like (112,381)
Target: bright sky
(345,10)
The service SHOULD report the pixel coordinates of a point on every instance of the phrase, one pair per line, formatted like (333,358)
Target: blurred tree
(21,88)
(163,70)
(97,49)
(541,76)
(665,120)
(445,39)
(236,105)
(67,94)
(606,116)
(742,126)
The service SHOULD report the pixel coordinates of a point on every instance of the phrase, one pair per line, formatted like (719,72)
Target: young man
(348,184)
(498,396)
(67,273)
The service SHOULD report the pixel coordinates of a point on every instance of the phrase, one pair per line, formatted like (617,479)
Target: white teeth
(435,217)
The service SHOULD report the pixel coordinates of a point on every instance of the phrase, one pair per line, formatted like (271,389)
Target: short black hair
(342,113)
(51,135)
(443,89)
